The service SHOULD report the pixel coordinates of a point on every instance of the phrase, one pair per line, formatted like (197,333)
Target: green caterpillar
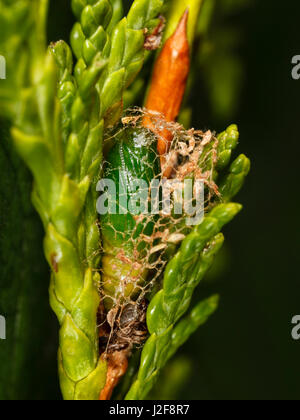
(132,157)
(137,246)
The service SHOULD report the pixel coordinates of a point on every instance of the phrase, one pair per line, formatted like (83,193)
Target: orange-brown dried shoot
(168,84)
(117,364)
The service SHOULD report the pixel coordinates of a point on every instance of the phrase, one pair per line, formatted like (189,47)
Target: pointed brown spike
(169,80)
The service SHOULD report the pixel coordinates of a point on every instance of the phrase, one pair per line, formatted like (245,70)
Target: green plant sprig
(183,273)
(58,131)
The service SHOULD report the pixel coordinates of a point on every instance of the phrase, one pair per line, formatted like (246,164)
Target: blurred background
(242,74)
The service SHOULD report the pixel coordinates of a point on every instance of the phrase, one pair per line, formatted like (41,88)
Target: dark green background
(246,350)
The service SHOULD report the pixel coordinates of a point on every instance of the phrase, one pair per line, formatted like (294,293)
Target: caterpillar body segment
(126,234)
